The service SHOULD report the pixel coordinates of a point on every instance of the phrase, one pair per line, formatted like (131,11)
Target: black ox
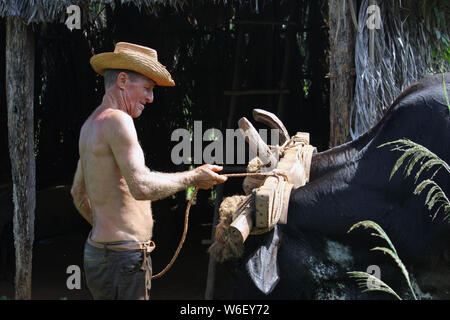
(309,257)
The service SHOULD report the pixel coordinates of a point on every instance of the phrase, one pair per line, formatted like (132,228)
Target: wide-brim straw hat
(136,58)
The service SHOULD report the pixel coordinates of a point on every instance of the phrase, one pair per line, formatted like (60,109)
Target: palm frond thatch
(35,11)
(413,41)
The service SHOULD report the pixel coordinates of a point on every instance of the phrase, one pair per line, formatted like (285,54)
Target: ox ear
(262,265)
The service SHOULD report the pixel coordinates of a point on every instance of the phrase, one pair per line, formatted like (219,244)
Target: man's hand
(205,176)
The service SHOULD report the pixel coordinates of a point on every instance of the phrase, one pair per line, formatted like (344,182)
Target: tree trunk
(19,95)
(342,70)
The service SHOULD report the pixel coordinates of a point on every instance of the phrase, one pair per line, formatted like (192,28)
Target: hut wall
(198,45)
(407,47)
(5,166)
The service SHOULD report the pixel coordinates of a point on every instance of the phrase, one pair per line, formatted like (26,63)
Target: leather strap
(146,246)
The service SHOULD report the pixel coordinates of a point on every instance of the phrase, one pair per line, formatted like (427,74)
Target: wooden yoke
(273,122)
(257,144)
(267,204)
(272,198)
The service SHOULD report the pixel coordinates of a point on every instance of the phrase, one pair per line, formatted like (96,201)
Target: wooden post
(342,71)
(19,96)
(289,37)
(211,277)
(236,77)
(210,282)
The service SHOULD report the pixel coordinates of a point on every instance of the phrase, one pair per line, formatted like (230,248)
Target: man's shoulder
(115,116)
(116,123)
(113,119)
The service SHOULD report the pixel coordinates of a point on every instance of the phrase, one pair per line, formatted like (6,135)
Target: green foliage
(427,160)
(363,277)
(190,193)
(435,196)
(435,22)
(418,154)
(444,88)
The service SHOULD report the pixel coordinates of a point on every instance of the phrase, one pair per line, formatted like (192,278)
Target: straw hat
(136,58)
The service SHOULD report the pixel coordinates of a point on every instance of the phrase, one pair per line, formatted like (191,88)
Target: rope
(247,174)
(186,217)
(183,237)
(288,144)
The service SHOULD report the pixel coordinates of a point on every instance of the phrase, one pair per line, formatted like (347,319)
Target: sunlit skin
(113,188)
(133,95)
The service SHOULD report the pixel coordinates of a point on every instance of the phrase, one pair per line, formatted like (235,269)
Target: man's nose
(149,97)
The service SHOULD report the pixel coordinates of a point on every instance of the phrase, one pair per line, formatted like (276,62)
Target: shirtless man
(113,188)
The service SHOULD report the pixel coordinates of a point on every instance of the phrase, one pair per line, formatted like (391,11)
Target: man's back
(117,215)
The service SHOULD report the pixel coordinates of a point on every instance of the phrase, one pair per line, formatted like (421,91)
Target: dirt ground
(186,280)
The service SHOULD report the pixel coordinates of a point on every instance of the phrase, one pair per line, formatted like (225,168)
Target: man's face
(137,92)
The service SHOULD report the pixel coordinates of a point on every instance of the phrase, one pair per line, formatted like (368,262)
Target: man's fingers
(217,178)
(208,176)
(221,179)
(215,168)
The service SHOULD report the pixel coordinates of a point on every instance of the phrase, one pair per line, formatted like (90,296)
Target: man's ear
(121,80)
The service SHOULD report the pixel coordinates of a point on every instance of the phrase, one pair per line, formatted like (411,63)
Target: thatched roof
(55,10)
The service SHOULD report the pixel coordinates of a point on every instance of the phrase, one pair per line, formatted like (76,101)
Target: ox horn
(271,120)
(257,144)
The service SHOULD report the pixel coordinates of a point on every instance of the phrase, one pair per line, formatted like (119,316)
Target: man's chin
(137,113)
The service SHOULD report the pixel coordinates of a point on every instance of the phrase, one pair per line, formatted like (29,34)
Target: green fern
(417,153)
(435,196)
(390,251)
(420,155)
(362,278)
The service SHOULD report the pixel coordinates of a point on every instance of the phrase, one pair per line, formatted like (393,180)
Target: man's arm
(143,183)
(79,194)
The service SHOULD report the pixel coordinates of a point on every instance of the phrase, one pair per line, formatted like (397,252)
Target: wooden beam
(236,78)
(289,39)
(20,96)
(241,226)
(342,71)
(253,92)
(264,23)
